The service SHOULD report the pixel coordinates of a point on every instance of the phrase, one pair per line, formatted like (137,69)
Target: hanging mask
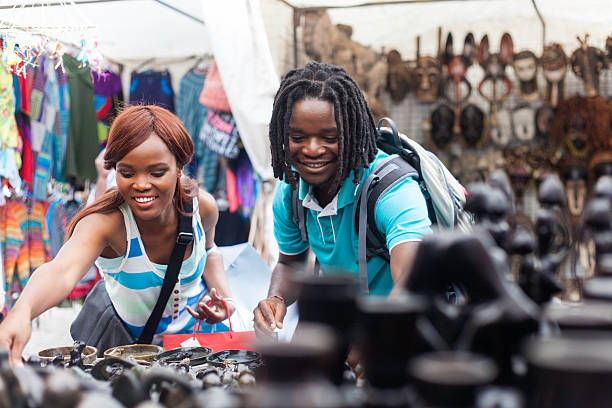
(525,65)
(576,188)
(495,86)
(576,137)
(456,88)
(398,77)
(471,122)
(517,167)
(554,67)
(501,132)
(442,119)
(587,62)
(543,119)
(523,123)
(427,75)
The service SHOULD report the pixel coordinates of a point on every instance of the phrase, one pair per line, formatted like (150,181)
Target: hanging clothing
(8,127)
(152,88)
(62,123)
(16,259)
(220,134)
(82,147)
(189,110)
(107,101)
(134,282)
(27,164)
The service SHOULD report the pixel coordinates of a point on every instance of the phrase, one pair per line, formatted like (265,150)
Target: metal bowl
(138,352)
(47,355)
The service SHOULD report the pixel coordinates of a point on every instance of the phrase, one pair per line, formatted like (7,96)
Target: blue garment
(134,283)
(401,215)
(152,88)
(192,113)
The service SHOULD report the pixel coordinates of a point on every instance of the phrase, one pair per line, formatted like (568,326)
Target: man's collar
(347,194)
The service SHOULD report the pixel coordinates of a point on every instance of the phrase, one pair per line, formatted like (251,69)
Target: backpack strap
(299,213)
(371,241)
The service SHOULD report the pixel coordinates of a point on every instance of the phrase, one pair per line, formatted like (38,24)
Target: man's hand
(269,315)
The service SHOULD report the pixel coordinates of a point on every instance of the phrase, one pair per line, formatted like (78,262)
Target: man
(323,142)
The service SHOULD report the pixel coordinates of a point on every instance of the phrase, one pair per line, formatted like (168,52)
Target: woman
(148,146)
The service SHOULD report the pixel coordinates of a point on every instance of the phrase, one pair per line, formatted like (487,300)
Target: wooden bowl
(89,354)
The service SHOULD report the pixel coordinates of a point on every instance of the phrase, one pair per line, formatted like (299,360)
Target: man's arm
(270,312)
(402,259)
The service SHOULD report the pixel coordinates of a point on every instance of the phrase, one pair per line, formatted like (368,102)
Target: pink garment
(213,95)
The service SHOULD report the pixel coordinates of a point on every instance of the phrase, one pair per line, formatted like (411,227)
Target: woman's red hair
(129,130)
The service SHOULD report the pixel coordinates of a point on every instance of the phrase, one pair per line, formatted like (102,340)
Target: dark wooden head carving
(399,77)
(587,62)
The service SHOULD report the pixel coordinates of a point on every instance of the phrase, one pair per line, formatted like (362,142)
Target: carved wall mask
(523,123)
(399,78)
(472,124)
(587,62)
(554,67)
(525,64)
(427,75)
(575,188)
(442,119)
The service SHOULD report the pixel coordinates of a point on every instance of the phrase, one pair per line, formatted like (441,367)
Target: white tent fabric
(241,50)
(396,26)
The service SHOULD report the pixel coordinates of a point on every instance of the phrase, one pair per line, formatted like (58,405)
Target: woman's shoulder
(207,207)
(104,221)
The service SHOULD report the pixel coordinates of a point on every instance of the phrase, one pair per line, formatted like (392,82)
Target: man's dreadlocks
(357,130)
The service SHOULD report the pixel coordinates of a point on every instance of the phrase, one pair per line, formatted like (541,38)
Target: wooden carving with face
(495,86)
(456,88)
(587,62)
(554,67)
(427,76)
(525,65)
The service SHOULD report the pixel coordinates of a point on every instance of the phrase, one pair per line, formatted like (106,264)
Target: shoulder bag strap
(184,238)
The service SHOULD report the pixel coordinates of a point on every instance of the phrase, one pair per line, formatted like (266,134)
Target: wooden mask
(442,119)
(456,88)
(495,86)
(472,124)
(399,77)
(427,75)
(587,62)
(554,67)
(525,64)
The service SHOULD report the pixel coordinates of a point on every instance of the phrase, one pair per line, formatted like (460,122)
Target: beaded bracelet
(282,299)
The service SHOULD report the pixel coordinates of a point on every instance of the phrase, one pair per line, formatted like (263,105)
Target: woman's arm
(214,271)
(52,282)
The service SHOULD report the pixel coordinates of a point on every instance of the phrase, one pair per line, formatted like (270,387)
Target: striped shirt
(134,283)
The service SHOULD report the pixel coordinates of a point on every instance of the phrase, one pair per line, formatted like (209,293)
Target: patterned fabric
(220,134)
(108,95)
(193,114)
(134,282)
(9,137)
(37,238)
(16,260)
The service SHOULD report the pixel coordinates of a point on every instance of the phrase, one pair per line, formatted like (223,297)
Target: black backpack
(404,161)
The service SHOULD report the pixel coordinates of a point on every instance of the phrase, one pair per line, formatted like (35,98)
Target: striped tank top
(134,283)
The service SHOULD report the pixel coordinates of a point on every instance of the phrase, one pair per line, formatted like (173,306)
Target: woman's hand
(211,308)
(15,332)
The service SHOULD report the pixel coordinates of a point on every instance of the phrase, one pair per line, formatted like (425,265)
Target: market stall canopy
(395,24)
(125,29)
